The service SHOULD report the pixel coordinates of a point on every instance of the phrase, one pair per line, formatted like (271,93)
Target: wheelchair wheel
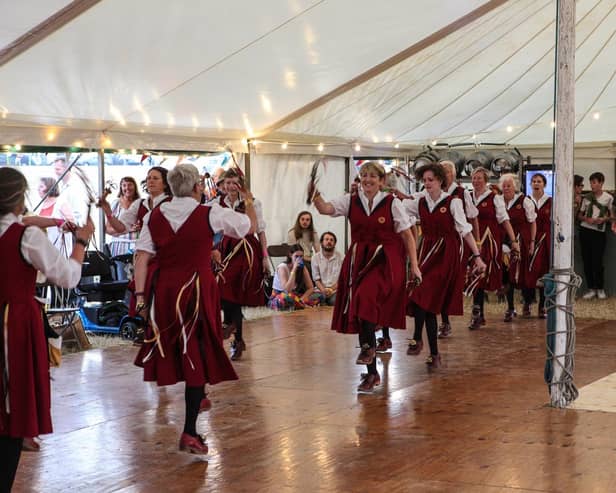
(128,330)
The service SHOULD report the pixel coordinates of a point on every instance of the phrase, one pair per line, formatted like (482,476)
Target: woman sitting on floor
(292,287)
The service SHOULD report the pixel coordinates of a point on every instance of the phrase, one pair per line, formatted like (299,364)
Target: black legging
(527,294)
(479,298)
(385,332)
(10,452)
(368,336)
(232,313)
(192,397)
(421,317)
(445,318)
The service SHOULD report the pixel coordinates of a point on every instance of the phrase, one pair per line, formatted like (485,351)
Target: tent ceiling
(223,70)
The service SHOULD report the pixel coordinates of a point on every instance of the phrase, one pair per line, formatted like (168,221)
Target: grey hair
(182,179)
(449,164)
(513,178)
(13,186)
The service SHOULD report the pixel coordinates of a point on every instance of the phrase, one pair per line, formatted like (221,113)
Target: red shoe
(362,376)
(383,345)
(366,355)
(414,348)
(30,445)
(444,331)
(433,361)
(205,405)
(193,445)
(369,382)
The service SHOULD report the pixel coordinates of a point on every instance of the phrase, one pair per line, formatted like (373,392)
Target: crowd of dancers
(409,256)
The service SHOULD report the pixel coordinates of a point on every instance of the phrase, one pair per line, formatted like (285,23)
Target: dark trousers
(10,452)
(593,248)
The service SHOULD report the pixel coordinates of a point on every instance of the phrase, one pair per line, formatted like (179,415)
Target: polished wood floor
(294,421)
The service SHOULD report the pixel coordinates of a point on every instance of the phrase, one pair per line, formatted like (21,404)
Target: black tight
(478,299)
(421,317)
(385,332)
(192,396)
(527,294)
(445,318)
(10,452)
(232,314)
(368,336)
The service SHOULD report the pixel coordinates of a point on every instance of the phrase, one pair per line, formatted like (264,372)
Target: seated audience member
(326,266)
(292,287)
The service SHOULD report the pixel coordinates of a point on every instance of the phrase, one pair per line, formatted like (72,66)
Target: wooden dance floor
(294,421)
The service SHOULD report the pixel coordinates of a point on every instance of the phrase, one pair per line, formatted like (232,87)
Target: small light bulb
(553,124)
(509,129)
(17,147)
(284,145)
(320,148)
(357,147)
(397,146)
(596,115)
(434,142)
(51,135)
(474,136)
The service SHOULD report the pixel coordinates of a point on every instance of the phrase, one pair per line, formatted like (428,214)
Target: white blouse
(128,217)
(178,210)
(402,221)
(38,251)
(471,210)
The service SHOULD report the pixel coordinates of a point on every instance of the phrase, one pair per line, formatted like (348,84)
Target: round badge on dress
(443,210)
(485,204)
(382,220)
(518,206)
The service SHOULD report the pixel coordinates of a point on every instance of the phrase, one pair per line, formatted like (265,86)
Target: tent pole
(101,191)
(562,220)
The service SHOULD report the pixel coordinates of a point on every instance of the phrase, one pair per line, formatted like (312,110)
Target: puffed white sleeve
(529,209)
(144,242)
(231,223)
(457,211)
(471,209)
(128,217)
(341,205)
(402,220)
(43,256)
(501,210)
(411,207)
(259,212)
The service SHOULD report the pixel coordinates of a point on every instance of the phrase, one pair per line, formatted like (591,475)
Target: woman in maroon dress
(540,260)
(492,214)
(443,225)
(522,215)
(243,264)
(183,340)
(371,287)
(25,399)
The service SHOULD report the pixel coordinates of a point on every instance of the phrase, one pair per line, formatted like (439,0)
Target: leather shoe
(369,382)
(383,345)
(193,445)
(414,348)
(237,348)
(366,355)
(433,361)
(30,445)
(227,330)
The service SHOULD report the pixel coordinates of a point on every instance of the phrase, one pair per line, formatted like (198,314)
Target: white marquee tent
(150,74)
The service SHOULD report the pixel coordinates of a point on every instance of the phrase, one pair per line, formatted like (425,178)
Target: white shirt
(529,207)
(257,206)
(402,221)
(326,269)
(128,217)
(38,251)
(178,210)
(74,195)
(542,200)
(456,208)
(604,199)
(499,204)
(471,210)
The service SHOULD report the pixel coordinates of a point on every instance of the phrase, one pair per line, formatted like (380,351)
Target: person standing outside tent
(595,212)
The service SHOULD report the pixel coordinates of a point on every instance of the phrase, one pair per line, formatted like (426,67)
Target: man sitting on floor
(326,266)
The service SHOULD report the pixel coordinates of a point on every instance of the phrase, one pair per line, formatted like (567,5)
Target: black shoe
(237,348)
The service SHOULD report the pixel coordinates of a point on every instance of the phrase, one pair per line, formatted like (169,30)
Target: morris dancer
(522,215)
(443,224)
(540,260)
(184,335)
(243,264)
(25,401)
(492,214)
(371,287)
